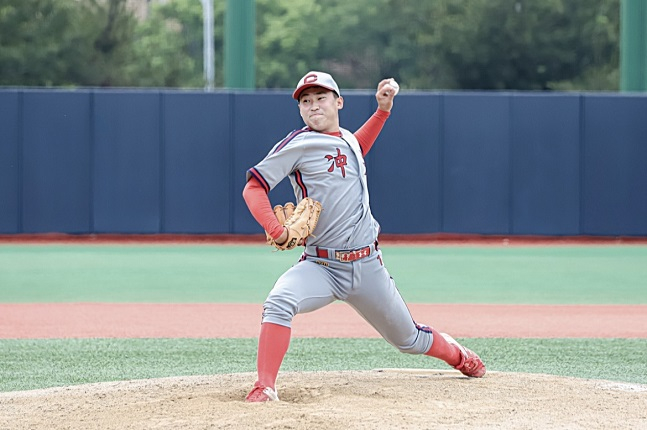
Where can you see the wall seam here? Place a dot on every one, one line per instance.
(441, 162)
(20, 161)
(510, 165)
(162, 162)
(232, 162)
(582, 164)
(91, 164)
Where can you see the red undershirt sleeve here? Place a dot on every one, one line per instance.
(368, 132)
(259, 205)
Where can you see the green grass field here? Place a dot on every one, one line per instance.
(32, 364)
(244, 274)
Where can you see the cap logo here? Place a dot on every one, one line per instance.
(314, 78)
(310, 78)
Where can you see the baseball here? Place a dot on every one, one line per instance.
(395, 86)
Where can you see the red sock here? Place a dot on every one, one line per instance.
(443, 350)
(273, 343)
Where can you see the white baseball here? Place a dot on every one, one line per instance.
(395, 86)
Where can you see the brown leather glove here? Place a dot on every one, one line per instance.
(300, 222)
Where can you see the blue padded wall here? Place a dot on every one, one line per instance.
(476, 158)
(56, 161)
(196, 163)
(127, 183)
(405, 167)
(545, 164)
(615, 165)
(358, 107)
(151, 161)
(10, 184)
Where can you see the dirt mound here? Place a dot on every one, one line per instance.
(387, 398)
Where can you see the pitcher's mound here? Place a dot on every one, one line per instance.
(386, 398)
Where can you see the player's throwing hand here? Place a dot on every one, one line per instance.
(387, 89)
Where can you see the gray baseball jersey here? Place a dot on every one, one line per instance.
(331, 170)
(341, 260)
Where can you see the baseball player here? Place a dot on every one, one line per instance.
(341, 260)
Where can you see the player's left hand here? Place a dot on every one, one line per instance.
(386, 91)
(299, 222)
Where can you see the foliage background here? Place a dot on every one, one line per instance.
(440, 44)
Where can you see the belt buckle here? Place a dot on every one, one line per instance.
(343, 256)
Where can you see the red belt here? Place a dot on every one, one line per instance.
(345, 256)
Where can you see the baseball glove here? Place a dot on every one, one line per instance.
(300, 222)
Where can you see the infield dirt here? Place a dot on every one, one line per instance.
(380, 399)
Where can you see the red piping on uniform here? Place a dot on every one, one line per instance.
(256, 174)
(299, 178)
(289, 138)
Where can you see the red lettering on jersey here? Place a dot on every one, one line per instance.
(338, 161)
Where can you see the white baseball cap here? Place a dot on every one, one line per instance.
(316, 79)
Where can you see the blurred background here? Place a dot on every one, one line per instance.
(439, 44)
(142, 116)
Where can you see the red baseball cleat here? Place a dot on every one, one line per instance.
(471, 364)
(262, 394)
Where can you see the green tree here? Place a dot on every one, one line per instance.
(598, 58)
(162, 59)
(414, 38)
(169, 46)
(526, 45)
(286, 43)
(29, 55)
(344, 37)
(440, 44)
(64, 43)
(110, 28)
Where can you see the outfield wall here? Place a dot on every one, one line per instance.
(137, 161)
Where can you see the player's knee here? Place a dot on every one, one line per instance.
(408, 349)
(417, 343)
(278, 310)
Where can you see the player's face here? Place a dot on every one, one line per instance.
(319, 109)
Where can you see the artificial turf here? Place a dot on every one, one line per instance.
(32, 364)
(245, 274)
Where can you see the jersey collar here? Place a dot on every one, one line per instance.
(332, 133)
